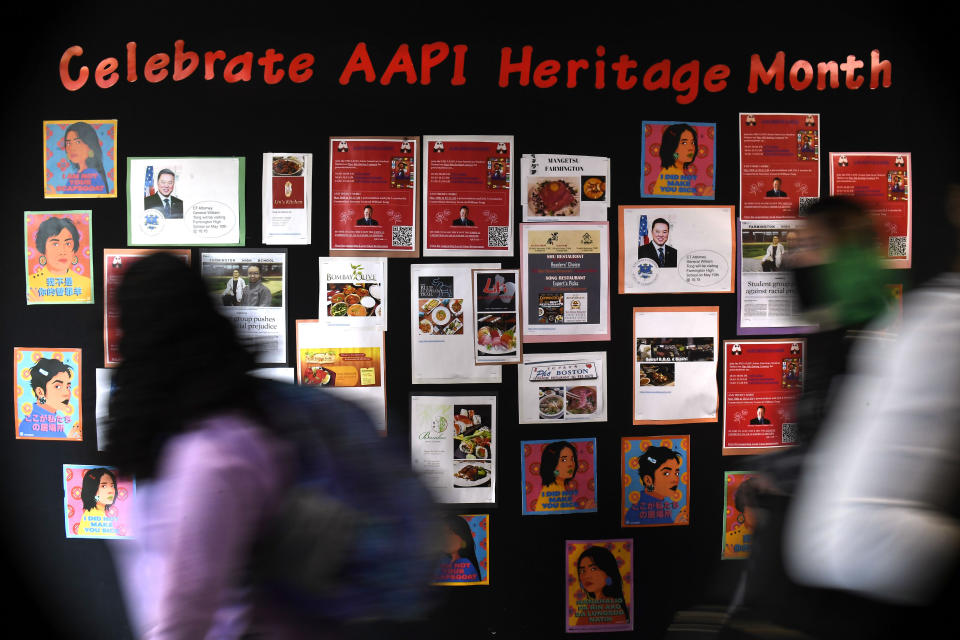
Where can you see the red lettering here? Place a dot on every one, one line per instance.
(179, 57)
(573, 66)
(106, 75)
(687, 78)
(657, 76)
(245, 63)
(131, 62)
(401, 62)
(599, 78)
(825, 70)
(798, 83)
(766, 76)
(715, 79)
(852, 80)
(359, 61)
(876, 67)
(299, 69)
(154, 70)
(522, 67)
(209, 58)
(430, 56)
(545, 73)
(622, 67)
(459, 56)
(71, 84)
(271, 75)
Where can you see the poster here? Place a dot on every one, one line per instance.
(57, 248)
(566, 281)
(498, 338)
(185, 201)
(656, 481)
(47, 393)
(677, 249)
(675, 371)
(97, 502)
(762, 380)
(739, 514)
(468, 201)
(466, 547)
(353, 292)
(561, 186)
(453, 440)
(249, 287)
(559, 476)
(599, 585)
(80, 158)
(679, 159)
(779, 164)
(115, 264)
(562, 387)
(348, 362)
(287, 197)
(442, 325)
(883, 183)
(374, 185)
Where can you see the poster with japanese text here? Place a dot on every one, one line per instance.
(353, 292)
(47, 393)
(467, 196)
(58, 249)
(675, 364)
(80, 158)
(679, 159)
(97, 502)
(739, 514)
(655, 481)
(287, 197)
(562, 186)
(599, 585)
(374, 190)
(559, 476)
(496, 296)
(565, 276)
(762, 381)
(466, 548)
(562, 387)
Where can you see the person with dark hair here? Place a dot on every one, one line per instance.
(739, 538)
(806, 145)
(761, 418)
(58, 239)
(367, 219)
(233, 292)
(678, 152)
(256, 294)
(459, 545)
(98, 493)
(773, 258)
(463, 220)
(558, 465)
(776, 192)
(659, 251)
(600, 579)
(163, 200)
(52, 387)
(659, 470)
(82, 146)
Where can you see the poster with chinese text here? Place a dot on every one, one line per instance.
(739, 514)
(80, 158)
(679, 159)
(559, 476)
(47, 394)
(58, 249)
(287, 197)
(562, 387)
(599, 585)
(466, 548)
(655, 474)
(562, 186)
(97, 502)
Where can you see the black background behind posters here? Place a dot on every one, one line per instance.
(69, 585)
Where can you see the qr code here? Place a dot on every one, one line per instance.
(805, 203)
(788, 432)
(498, 236)
(402, 237)
(897, 247)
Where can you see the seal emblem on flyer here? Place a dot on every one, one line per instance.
(645, 270)
(152, 222)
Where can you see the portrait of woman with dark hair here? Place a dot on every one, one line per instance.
(52, 383)
(82, 146)
(599, 578)
(460, 548)
(739, 538)
(54, 277)
(678, 151)
(558, 465)
(661, 499)
(98, 493)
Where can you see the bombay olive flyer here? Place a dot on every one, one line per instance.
(739, 512)
(287, 197)
(80, 158)
(679, 159)
(58, 252)
(353, 292)
(563, 186)
(97, 502)
(562, 387)
(47, 394)
(559, 476)
(655, 489)
(498, 338)
(599, 585)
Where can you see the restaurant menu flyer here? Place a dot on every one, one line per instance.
(443, 325)
(97, 502)
(348, 362)
(679, 159)
(655, 486)
(779, 164)
(739, 513)
(47, 394)
(496, 295)
(58, 249)
(287, 197)
(80, 158)
(881, 182)
(677, 249)
(454, 447)
(466, 552)
(675, 372)
(559, 476)
(562, 387)
(115, 265)
(468, 202)
(353, 292)
(762, 381)
(374, 186)
(566, 281)
(598, 585)
(566, 187)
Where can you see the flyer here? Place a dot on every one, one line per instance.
(466, 551)
(442, 325)
(468, 206)
(185, 201)
(677, 249)
(762, 380)
(249, 287)
(562, 387)
(498, 338)
(599, 585)
(561, 186)
(739, 514)
(47, 393)
(374, 185)
(565, 278)
(559, 476)
(675, 372)
(80, 158)
(679, 159)
(348, 362)
(58, 249)
(97, 502)
(881, 182)
(453, 440)
(656, 481)
(115, 264)
(287, 197)
(779, 164)
(353, 292)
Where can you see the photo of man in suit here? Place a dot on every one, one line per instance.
(170, 205)
(776, 192)
(367, 219)
(760, 419)
(464, 220)
(658, 250)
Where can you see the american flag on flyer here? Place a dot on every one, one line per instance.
(148, 189)
(643, 239)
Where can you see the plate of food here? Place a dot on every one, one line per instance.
(581, 400)
(456, 306)
(594, 188)
(426, 326)
(472, 474)
(553, 197)
(551, 405)
(494, 341)
(287, 166)
(440, 315)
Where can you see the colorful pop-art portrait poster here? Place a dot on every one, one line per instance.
(57, 250)
(466, 548)
(656, 481)
(79, 159)
(679, 159)
(599, 585)
(739, 505)
(97, 502)
(47, 393)
(559, 476)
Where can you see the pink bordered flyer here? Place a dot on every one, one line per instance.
(599, 589)
(739, 512)
(47, 394)
(559, 476)
(97, 502)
